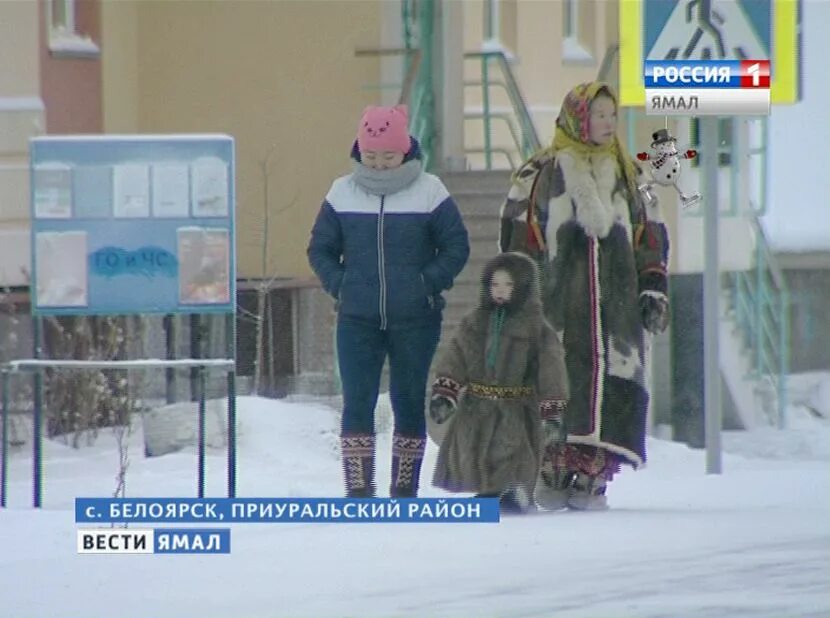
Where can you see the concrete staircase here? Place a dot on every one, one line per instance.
(752, 399)
(479, 195)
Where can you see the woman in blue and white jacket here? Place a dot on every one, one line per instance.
(387, 241)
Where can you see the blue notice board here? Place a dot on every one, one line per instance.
(139, 224)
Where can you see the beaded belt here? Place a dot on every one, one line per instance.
(492, 391)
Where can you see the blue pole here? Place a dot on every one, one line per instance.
(4, 464)
(713, 413)
(201, 470)
(37, 446)
(230, 341)
(232, 433)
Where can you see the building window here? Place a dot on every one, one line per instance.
(724, 140)
(63, 15)
(569, 18)
(64, 37)
(575, 46)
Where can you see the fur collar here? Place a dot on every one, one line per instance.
(590, 183)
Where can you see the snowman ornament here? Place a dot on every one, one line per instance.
(665, 167)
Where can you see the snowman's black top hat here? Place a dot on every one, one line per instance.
(661, 136)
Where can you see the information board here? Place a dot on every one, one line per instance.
(136, 224)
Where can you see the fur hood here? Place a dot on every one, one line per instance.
(526, 296)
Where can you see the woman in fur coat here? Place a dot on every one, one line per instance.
(510, 366)
(576, 208)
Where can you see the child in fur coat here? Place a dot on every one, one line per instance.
(502, 380)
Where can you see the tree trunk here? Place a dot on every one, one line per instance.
(260, 332)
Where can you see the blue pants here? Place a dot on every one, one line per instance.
(362, 349)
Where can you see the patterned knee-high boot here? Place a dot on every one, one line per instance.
(407, 456)
(594, 469)
(359, 465)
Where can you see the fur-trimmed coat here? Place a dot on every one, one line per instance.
(601, 250)
(493, 444)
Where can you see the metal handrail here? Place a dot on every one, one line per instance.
(529, 142)
(769, 256)
(417, 18)
(497, 116)
(761, 299)
(607, 60)
(38, 365)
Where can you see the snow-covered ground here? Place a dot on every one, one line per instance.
(754, 541)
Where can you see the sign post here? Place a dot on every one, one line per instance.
(712, 409)
(709, 58)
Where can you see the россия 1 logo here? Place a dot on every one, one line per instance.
(707, 87)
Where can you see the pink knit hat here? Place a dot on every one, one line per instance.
(384, 128)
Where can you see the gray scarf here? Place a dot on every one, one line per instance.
(386, 182)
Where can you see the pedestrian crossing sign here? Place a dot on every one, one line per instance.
(677, 30)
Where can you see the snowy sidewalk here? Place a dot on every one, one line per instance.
(754, 541)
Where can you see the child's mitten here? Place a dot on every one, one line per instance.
(441, 409)
(444, 398)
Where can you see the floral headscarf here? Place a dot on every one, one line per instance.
(572, 131)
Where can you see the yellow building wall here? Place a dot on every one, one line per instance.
(19, 48)
(281, 77)
(21, 117)
(119, 66)
(21, 109)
